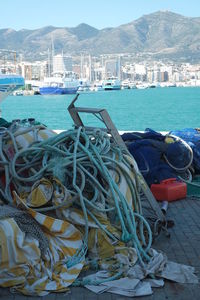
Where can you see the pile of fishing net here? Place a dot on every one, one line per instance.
(159, 156)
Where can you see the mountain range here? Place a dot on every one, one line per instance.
(160, 35)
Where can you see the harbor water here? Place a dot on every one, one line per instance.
(161, 109)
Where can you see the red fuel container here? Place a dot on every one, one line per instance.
(169, 190)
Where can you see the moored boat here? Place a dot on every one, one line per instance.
(142, 86)
(59, 86)
(9, 83)
(97, 87)
(125, 84)
(112, 83)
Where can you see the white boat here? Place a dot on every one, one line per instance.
(84, 85)
(18, 93)
(9, 83)
(128, 84)
(82, 89)
(142, 86)
(132, 85)
(97, 87)
(112, 83)
(125, 84)
(60, 81)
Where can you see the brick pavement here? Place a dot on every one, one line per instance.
(183, 246)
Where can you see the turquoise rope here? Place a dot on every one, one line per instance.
(85, 157)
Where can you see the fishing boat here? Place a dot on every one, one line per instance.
(9, 83)
(112, 83)
(57, 85)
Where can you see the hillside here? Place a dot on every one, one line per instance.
(162, 34)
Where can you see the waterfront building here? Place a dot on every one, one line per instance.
(62, 63)
(76, 68)
(164, 76)
(111, 68)
(169, 69)
(98, 73)
(177, 77)
(95, 69)
(140, 69)
(32, 71)
(150, 75)
(140, 72)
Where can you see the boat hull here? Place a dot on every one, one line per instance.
(111, 88)
(9, 83)
(111, 84)
(57, 91)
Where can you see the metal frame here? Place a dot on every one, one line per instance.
(102, 115)
(112, 130)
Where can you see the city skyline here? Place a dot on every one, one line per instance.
(99, 14)
(92, 70)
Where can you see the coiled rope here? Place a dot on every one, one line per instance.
(83, 161)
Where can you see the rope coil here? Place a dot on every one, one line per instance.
(84, 162)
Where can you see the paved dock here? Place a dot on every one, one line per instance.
(183, 246)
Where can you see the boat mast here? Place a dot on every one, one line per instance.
(90, 68)
(49, 63)
(119, 68)
(81, 65)
(63, 65)
(52, 54)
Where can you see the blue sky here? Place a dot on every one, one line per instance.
(32, 14)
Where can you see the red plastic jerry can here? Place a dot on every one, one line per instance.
(169, 190)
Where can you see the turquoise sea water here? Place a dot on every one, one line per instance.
(161, 109)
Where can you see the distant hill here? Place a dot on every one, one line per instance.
(162, 34)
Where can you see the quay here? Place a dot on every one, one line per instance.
(183, 246)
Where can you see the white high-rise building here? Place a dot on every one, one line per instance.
(62, 63)
(140, 69)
